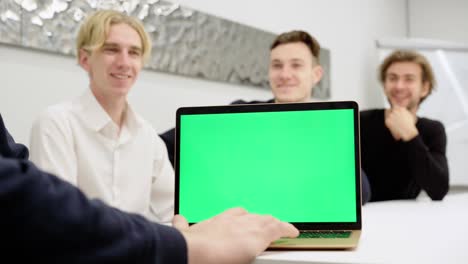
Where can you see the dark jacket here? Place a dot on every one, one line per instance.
(46, 220)
(8, 147)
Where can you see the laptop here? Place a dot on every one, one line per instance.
(299, 162)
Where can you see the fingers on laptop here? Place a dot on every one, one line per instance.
(234, 236)
(272, 228)
(269, 227)
(240, 224)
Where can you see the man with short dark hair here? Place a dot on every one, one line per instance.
(402, 153)
(294, 70)
(294, 67)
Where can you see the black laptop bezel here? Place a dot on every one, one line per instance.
(274, 107)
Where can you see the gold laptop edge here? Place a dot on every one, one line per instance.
(318, 243)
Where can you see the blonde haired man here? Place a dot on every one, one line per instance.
(402, 153)
(97, 141)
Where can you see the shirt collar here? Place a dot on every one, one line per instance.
(132, 120)
(96, 118)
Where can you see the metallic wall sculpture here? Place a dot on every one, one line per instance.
(185, 41)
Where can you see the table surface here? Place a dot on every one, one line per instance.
(406, 231)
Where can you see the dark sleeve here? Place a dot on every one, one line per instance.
(252, 102)
(366, 190)
(429, 162)
(169, 139)
(8, 147)
(48, 220)
(240, 101)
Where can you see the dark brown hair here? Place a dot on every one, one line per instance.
(298, 36)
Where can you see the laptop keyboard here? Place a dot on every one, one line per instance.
(325, 234)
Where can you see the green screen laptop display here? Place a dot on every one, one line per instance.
(298, 166)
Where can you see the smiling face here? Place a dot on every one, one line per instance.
(114, 67)
(293, 72)
(404, 85)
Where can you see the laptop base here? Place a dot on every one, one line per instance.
(317, 243)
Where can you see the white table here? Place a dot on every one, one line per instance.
(419, 231)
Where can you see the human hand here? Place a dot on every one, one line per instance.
(234, 236)
(401, 123)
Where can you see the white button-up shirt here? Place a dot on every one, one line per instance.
(79, 142)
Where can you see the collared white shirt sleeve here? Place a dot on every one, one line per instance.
(163, 185)
(51, 146)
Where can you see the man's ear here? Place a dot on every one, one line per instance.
(83, 59)
(425, 89)
(317, 72)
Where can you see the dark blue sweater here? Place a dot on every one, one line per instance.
(47, 220)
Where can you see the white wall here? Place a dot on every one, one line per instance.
(32, 80)
(435, 19)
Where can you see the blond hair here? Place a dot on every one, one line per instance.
(93, 32)
(409, 56)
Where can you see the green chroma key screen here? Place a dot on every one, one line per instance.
(298, 166)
